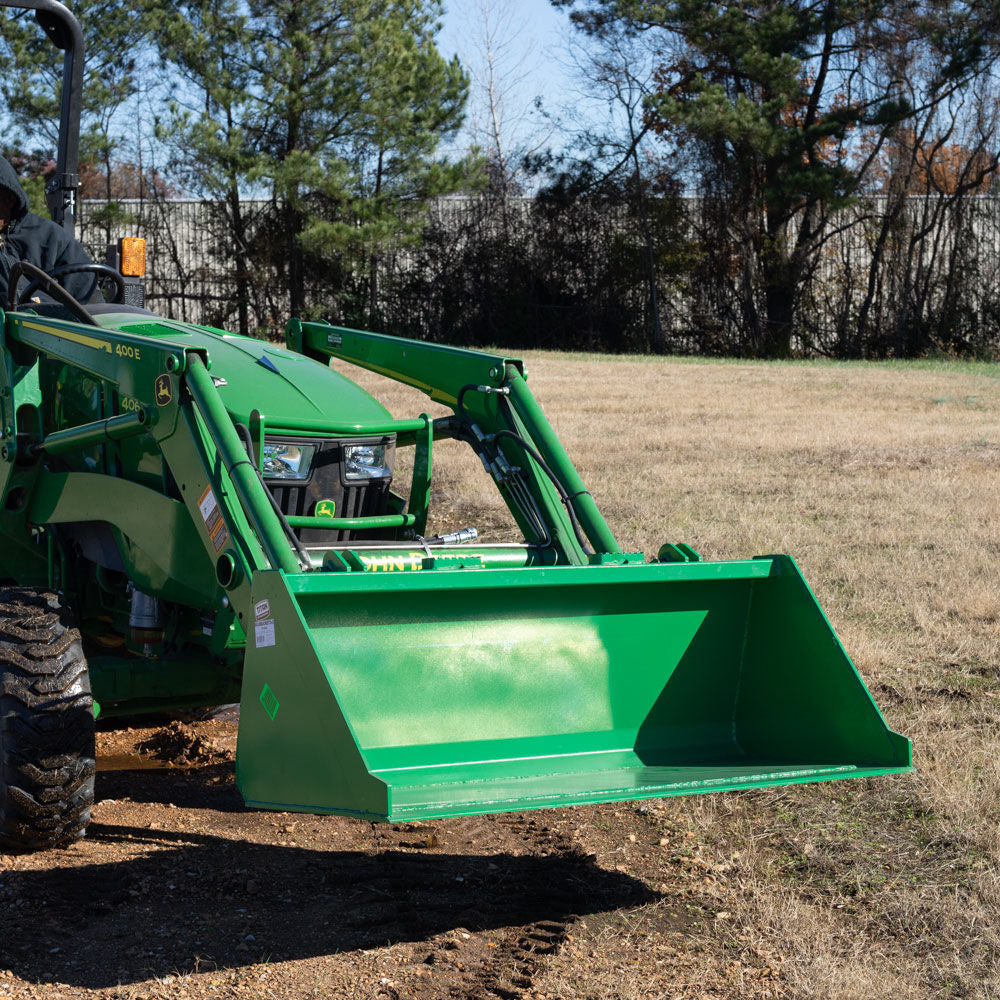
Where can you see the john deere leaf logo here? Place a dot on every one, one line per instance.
(164, 393)
(326, 508)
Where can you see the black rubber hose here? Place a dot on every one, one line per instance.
(567, 500)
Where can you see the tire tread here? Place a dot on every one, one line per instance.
(47, 761)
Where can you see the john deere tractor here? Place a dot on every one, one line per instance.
(190, 518)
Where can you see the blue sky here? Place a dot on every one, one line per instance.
(544, 28)
(535, 56)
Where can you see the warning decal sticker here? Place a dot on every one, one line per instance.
(212, 516)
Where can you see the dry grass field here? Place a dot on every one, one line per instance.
(882, 481)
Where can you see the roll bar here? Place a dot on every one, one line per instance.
(65, 33)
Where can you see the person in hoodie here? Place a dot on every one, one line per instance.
(26, 236)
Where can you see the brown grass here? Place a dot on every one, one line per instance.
(882, 482)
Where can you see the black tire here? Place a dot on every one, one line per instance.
(46, 724)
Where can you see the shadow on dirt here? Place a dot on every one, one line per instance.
(197, 902)
(210, 787)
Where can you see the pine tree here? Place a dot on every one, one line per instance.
(351, 99)
(778, 98)
(204, 43)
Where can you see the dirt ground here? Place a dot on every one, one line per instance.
(179, 891)
(881, 480)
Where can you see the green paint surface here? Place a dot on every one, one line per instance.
(415, 695)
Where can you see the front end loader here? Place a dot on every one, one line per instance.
(217, 517)
(190, 518)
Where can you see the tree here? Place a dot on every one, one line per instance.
(504, 120)
(212, 154)
(615, 156)
(349, 100)
(771, 99)
(925, 225)
(115, 34)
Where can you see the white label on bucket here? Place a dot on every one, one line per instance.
(262, 609)
(264, 633)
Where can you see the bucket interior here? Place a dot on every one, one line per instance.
(560, 686)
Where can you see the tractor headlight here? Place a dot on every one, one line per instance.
(287, 461)
(365, 461)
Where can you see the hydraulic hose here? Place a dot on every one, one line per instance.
(519, 493)
(564, 496)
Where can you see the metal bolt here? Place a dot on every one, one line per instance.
(225, 602)
(494, 372)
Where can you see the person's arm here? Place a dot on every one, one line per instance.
(82, 286)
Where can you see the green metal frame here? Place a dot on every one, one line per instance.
(442, 372)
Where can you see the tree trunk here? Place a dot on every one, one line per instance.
(779, 304)
(240, 255)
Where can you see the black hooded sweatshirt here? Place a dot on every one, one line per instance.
(40, 242)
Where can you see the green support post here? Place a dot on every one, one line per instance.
(248, 487)
(420, 490)
(540, 430)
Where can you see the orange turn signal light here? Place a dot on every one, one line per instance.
(132, 252)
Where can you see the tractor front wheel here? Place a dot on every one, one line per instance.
(46, 724)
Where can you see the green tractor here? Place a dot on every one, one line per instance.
(192, 518)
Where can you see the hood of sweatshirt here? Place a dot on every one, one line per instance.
(9, 182)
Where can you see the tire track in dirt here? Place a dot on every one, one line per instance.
(475, 960)
(520, 952)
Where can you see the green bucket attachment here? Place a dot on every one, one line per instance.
(404, 696)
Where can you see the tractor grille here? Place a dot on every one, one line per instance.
(357, 498)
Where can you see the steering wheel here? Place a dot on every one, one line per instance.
(39, 279)
(102, 270)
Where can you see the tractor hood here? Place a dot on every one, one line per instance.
(257, 375)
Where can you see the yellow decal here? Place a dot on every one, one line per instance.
(326, 508)
(163, 389)
(393, 564)
(77, 338)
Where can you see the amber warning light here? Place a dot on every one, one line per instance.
(132, 253)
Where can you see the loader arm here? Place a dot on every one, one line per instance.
(170, 396)
(499, 416)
